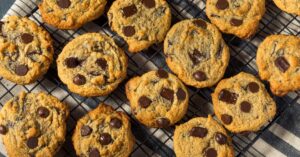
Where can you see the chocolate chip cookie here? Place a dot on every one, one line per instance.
(290, 6)
(33, 124)
(278, 61)
(196, 52)
(103, 132)
(26, 50)
(202, 137)
(92, 65)
(237, 17)
(140, 22)
(157, 98)
(70, 14)
(242, 103)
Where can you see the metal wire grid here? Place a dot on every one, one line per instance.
(157, 142)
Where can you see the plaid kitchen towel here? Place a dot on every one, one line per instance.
(281, 137)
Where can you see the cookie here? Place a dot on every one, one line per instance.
(278, 61)
(240, 18)
(242, 103)
(70, 14)
(290, 6)
(92, 65)
(26, 50)
(140, 23)
(202, 137)
(103, 132)
(33, 124)
(157, 98)
(196, 52)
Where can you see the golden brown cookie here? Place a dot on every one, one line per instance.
(290, 6)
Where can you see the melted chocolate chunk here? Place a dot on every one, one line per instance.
(222, 4)
(163, 122)
(26, 38)
(167, 94)
(149, 3)
(227, 119)
(196, 57)
(211, 152)
(162, 74)
(3, 130)
(86, 130)
(181, 95)
(105, 139)
(236, 22)
(21, 70)
(32, 142)
(200, 76)
(49, 49)
(79, 80)
(129, 10)
(253, 87)
(221, 138)
(282, 64)
(115, 123)
(228, 97)
(128, 31)
(245, 106)
(72, 62)
(102, 63)
(144, 101)
(94, 153)
(198, 132)
(43, 112)
(1, 24)
(64, 3)
(200, 23)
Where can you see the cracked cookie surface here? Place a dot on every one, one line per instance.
(157, 98)
(103, 132)
(33, 124)
(202, 137)
(92, 65)
(140, 23)
(242, 103)
(290, 6)
(70, 14)
(238, 17)
(196, 52)
(278, 61)
(26, 50)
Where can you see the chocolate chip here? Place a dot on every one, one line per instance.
(1, 24)
(149, 3)
(79, 80)
(245, 106)
(282, 64)
(105, 139)
(227, 119)
(198, 132)
(181, 95)
(49, 49)
(163, 122)
(129, 10)
(167, 94)
(221, 138)
(86, 130)
(199, 76)
(26, 38)
(115, 123)
(144, 101)
(128, 31)
(253, 87)
(228, 97)
(72, 62)
(33, 52)
(162, 74)
(200, 23)
(32, 142)
(101, 63)
(196, 57)
(43, 112)
(222, 4)
(21, 70)
(236, 22)
(64, 3)
(3, 130)
(211, 152)
(94, 153)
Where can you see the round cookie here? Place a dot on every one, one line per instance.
(33, 124)
(278, 61)
(157, 98)
(92, 65)
(140, 23)
(103, 132)
(242, 103)
(26, 50)
(70, 14)
(196, 52)
(202, 137)
(290, 6)
(240, 18)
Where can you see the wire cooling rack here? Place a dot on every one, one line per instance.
(150, 141)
